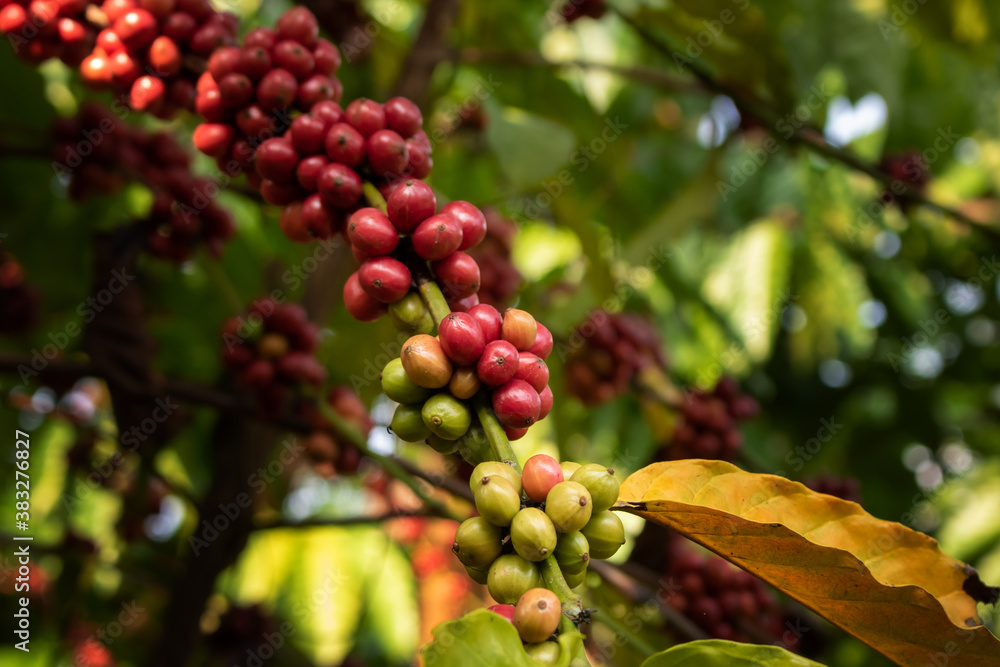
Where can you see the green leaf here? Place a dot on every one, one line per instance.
(484, 639)
(529, 147)
(720, 653)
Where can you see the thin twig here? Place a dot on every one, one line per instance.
(343, 521)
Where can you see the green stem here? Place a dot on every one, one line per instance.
(572, 606)
(432, 296)
(502, 451)
(347, 430)
(374, 197)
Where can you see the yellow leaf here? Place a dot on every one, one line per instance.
(886, 584)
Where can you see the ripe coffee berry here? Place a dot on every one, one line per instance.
(498, 363)
(410, 204)
(367, 116)
(537, 615)
(489, 320)
(532, 370)
(505, 610)
(516, 404)
(545, 398)
(385, 279)
(370, 231)
(437, 237)
(471, 220)
(542, 347)
(540, 473)
(345, 145)
(403, 116)
(458, 275)
(569, 506)
(340, 185)
(387, 154)
(462, 339)
(425, 362)
(358, 303)
(519, 328)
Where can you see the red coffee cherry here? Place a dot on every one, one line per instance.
(345, 144)
(255, 62)
(294, 57)
(298, 24)
(277, 160)
(370, 231)
(213, 139)
(462, 339)
(386, 279)
(319, 216)
(366, 116)
(516, 404)
(340, 185)
(532, 370)
(307, 173)
(327, 57)
(545, 396)
(410, 204)
(505, 610)
(308, 133)
(542, 347)
(358, 303)
(514, 433)
(497, 364)
(277, 89)
(437, 237)
(319, 88)
(136, 28)
(387, 153)
(403, 116)
(541, 472)
(458, 275)
(471, 219)
(489, 320)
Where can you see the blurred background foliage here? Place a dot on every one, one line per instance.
(651, 192)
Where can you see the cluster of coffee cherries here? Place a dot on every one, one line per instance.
(330, 454)
(550, 509)
(500, 280)
(18, 300)
(96, 152)
(272, 350)
(845, 488)
(614, 348)
(151, 51)
(434, 377)
(411, 234)
(536, 617)
(709, 425)
(722, 599)
(43, 29)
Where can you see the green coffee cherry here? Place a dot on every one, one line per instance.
(398, 386)
(569, 468)
(569, 506)
(574, 580)
(478, 576)
(546, 653)
(477, 543)
(473, 446)
(440, 445)
(497, 501)
(491, 468)
(410, 316)
(446, 416)
(532, 534)
(605, 534)
(572, 552)
(510, 577)
(601, 484)
(408, 424)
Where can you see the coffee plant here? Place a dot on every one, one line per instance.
(280, 387)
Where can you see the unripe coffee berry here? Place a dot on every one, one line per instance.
(569, 506)
(446, 416)
(516, 404)
(601, 483)
(489, 320)
(575, 579)
(510, 577)
(478, 576)
(477, 543)
(498, 363)
(408, 424)
(462, 339)
(488, 469)
(532, 370)
(532, 534)
(398, 386)
(537, 615)
(505, 610)
(568, 468)
(605, 534)
(540, 473)
(410, 315)
(519, 328)
(497, 501)
(272, 346)
(425, 362)
(464, 383)
(546, 653)
(573, 552)
(440, 445)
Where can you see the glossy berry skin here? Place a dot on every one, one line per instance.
(519, 328)
(308, 134)
(366, 116)
(497, 501)
(462, 339)
(277, 160)
(510, 577)
(477, 543)
(488, 469)
(532, 534)
(498, 363)
(446, 416)
(471, 219)
(344, 144)
(408, 424)
(213, 139)
(387, 154)
(600, 481)
(358, 303)
(409, 315)
(464, 383)
(370, 231)
(458, 275)
(505, 610)
(540, 473)
(573, 552)
(532, 370)
(605, 534)
(398, 386)
(319, 216)
(489, 320)
(437, 237)
(516, 404)
(410, 204)
(307, 173)
(340, 185)
(545, 398)
(537, 615)
(298, 24)
(542, 347)
(277, 89)
(403, 116)
(569, 506)
(386, 279)
(425, 362)
(546, 653)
